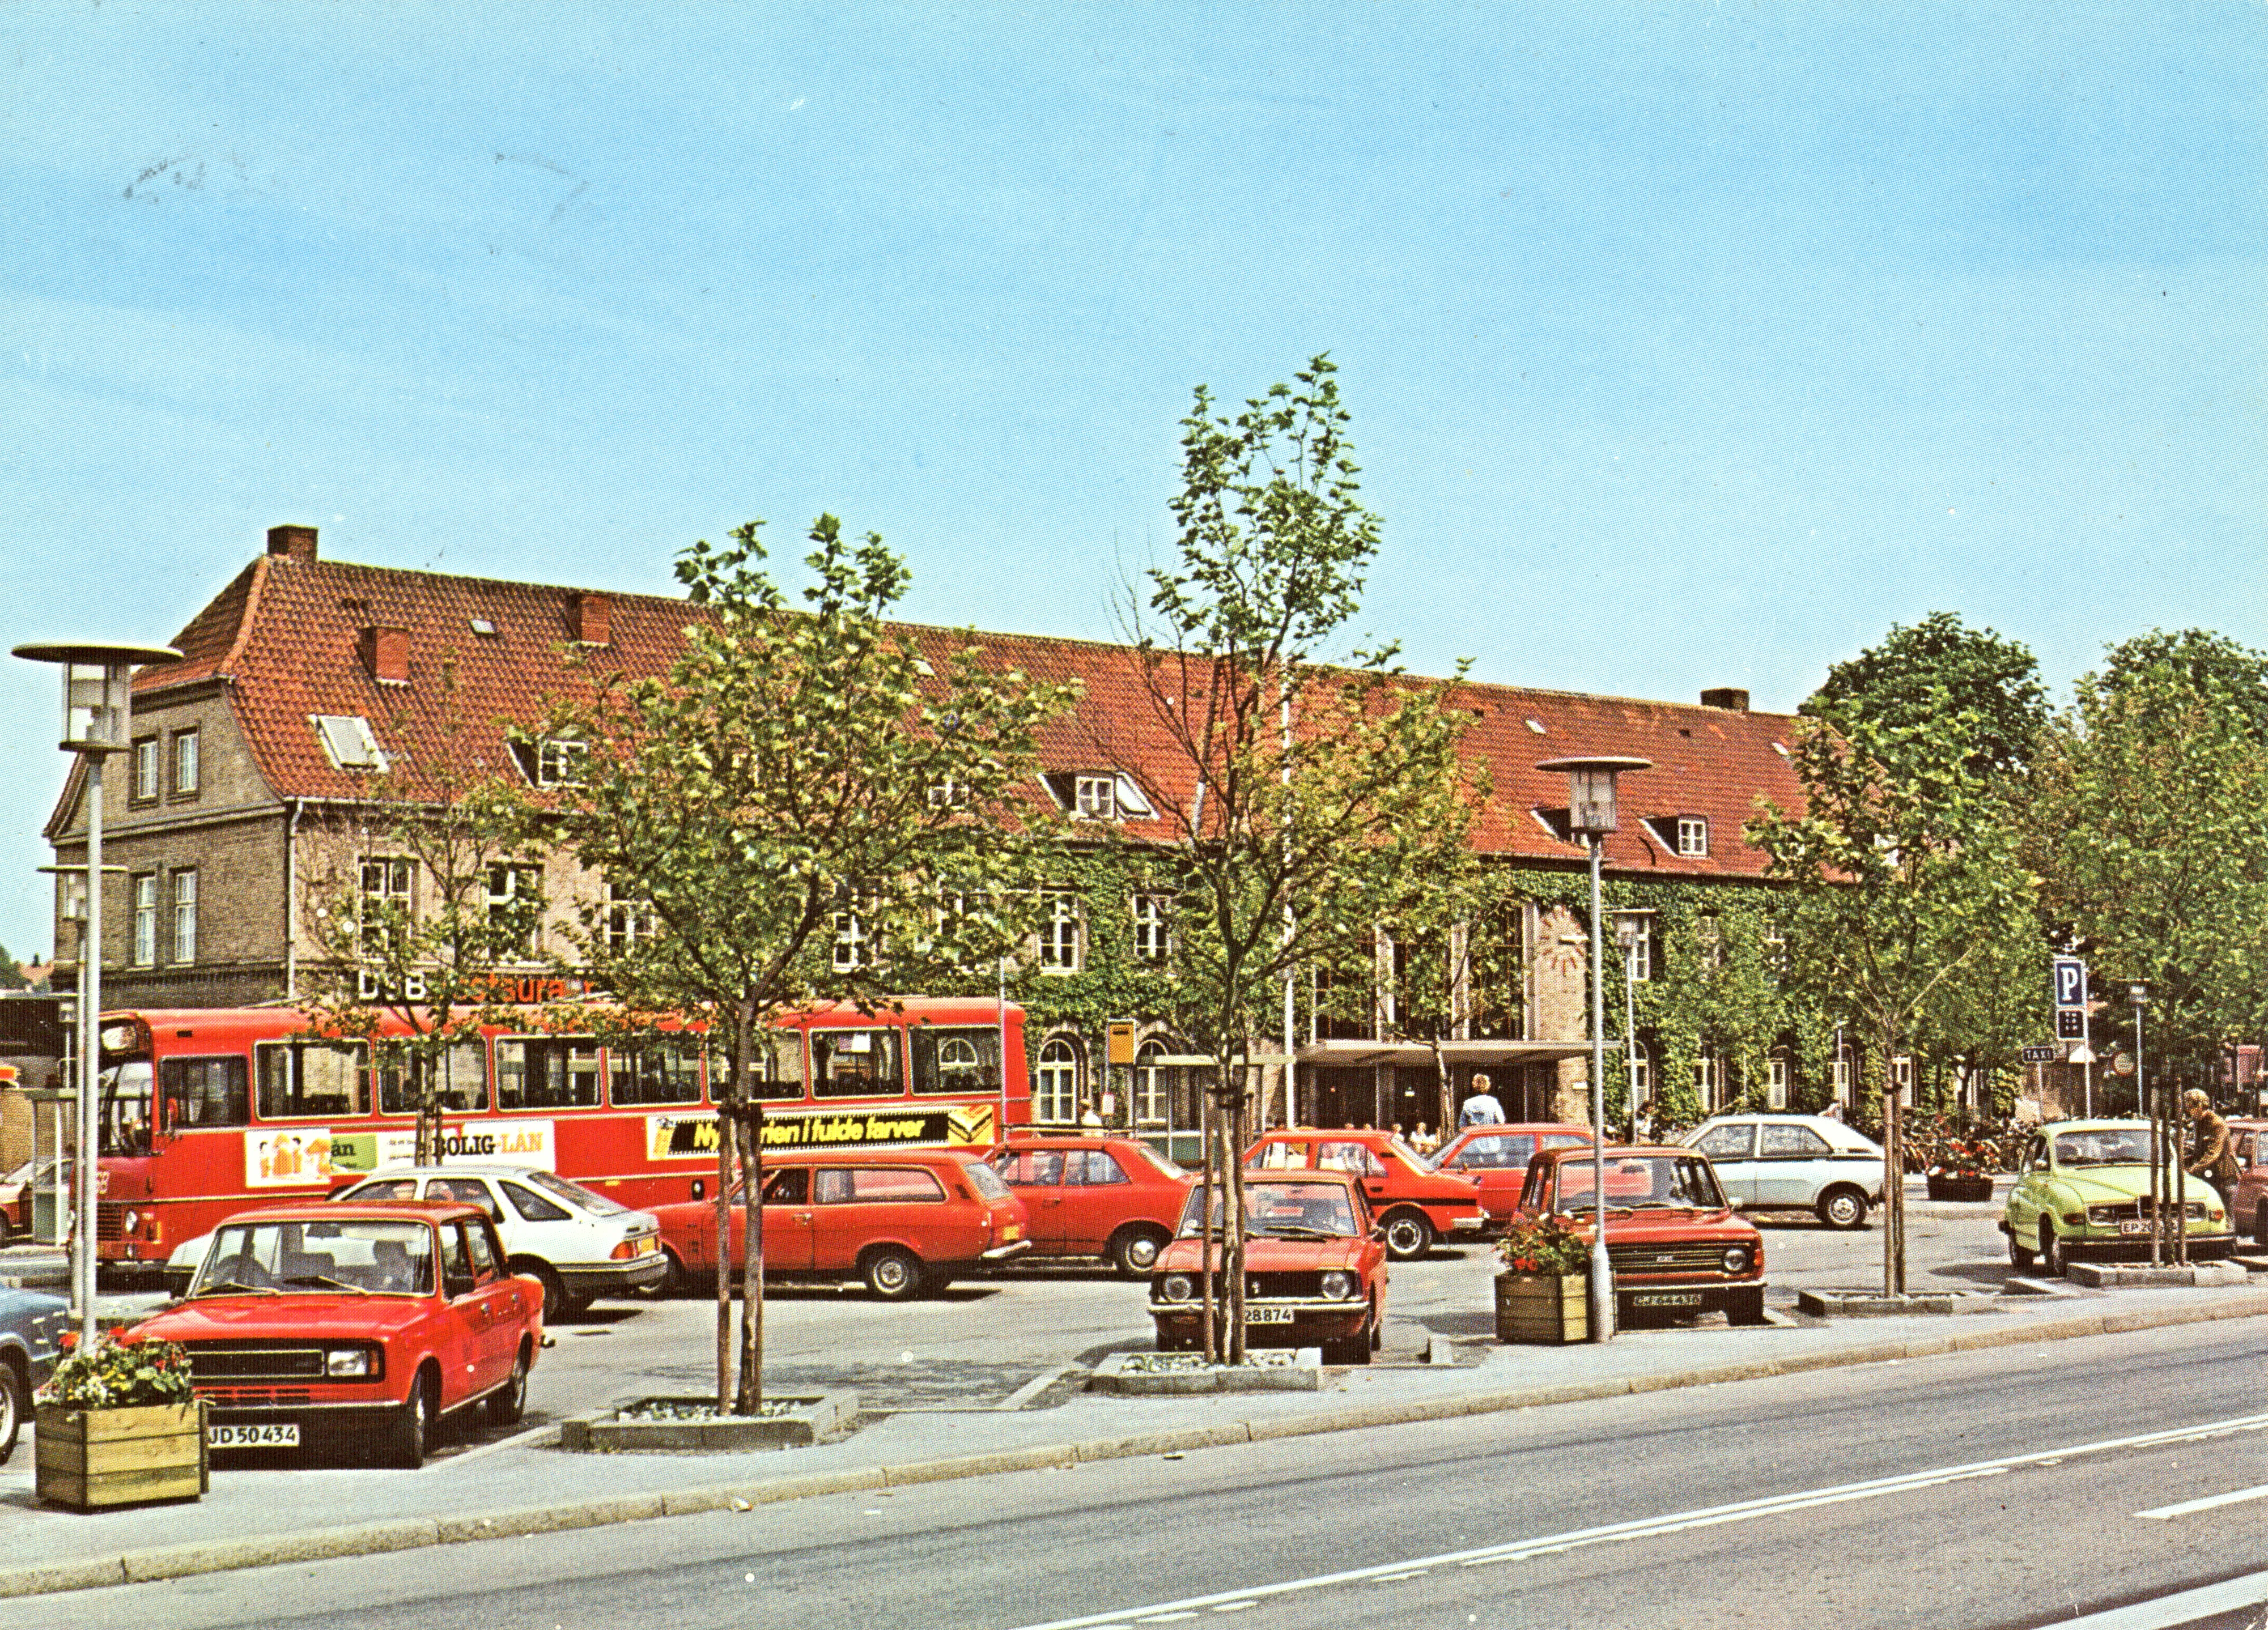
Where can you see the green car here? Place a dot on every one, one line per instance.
(2083, 1189)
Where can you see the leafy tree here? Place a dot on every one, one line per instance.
(2148, 829)
(11, 976)
(807, 807)
(1309, 804)
(1905, 891)
(1900, 681)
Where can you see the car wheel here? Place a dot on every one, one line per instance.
(2054, 1256)
(554, 1294)
(1136, 1249)
(409, 1435)
(1747, 1307)
(2020, 1256)
(510, 1403)
(893, 1274)
(1409, 1236)
(1843, 1207)
(12, 1407)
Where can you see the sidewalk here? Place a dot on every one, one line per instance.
(525, 1483)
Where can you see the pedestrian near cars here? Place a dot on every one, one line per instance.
(2210, 1157)
(1481, 1107)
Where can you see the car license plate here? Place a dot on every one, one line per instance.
(275, 1434)
(1268, 1316)
(2133, 1225)
(1666, 1298)
(645, 1247)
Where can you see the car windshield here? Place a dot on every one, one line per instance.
(574, 1193)
(1281, 1210)
(1164, 1166)
(985, 1181)
(1640, 1182)
(299, 1257)
(2104, 1146)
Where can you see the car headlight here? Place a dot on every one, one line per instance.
(350, 1363)
(1736, 1260)
(133, 1221)
(1340, 1286)
(1177, 1288)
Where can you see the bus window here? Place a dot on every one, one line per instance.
(855, 1063)
(205, 1093)
(777, 1068)
(546, 1072)
(464, 1088)
(124, 1128)
(309, 1078)
(960, 1060)
(654, 1072)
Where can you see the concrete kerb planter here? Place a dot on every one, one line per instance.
(1178, 1375)
(1872, 1304)
(790, 1423)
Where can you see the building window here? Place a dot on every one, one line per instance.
(852, 951)
(145, 769)
(1776, 1081)
(385, 904)
(559, 761)
(188, 769)
(1710, 933)
(1153, 1088)
(185, 917)
(1710, 1087)
(515, 904)
(145, 920)
(1634, 931)
(1060, 934)
(1775, 939)
(1641, 1073)
(1098, 797)
(628, 921)
(348, 742)
(1692, 835)
(949, 795)
(1055, 1087)
(1150, 927)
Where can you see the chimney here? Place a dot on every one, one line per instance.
(590, 619)
(1725, 697)
(295, 543)
(385, 652)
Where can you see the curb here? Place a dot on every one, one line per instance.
(413, 1533)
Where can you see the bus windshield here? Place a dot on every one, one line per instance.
(124, 1090)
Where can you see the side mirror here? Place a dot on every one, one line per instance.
(1378, 1233)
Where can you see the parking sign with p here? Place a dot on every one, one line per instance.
(2070, 982)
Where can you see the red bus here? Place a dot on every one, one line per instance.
(206, 1110)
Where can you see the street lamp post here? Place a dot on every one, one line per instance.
(2137, 992)
(1591, 812)
(97, 710)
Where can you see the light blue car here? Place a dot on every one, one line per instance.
(32, 1324)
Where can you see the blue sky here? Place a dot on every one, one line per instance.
(1687, 344)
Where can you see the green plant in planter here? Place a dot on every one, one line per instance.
(120, 1375)
(1546, 1244)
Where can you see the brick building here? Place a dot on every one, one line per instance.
(248, 801)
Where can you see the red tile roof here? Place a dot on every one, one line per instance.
(284, 638)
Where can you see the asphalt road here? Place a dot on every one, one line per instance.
(2017, 1487)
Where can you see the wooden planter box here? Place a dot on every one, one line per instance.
(1549, 1308)
(90, 1459)
(1960, 1188)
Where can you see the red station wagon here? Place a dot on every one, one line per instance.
(1676, 1246)
(1315, 1272)
(904, 1221)
(1496, 1158)
(372, 1317)
(1096, 1196)
(1415, 1204)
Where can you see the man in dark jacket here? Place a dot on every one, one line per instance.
(2210, 1157)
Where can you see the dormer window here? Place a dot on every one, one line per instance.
(1693, 835)
(1098, 797)
(1099, 794)
(559, 761)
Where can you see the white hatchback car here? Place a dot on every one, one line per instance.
(577, 1241)
(1793, 1162)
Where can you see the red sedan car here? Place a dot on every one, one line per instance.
(1089, 1195)
(1676, 1246)
(382, 1317)
(1496, 1158)
(904, 1220)
(1314, 1271)
(1414, 1203)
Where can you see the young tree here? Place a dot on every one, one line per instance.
(1309, 804)
(811, 805)
(1904, 887)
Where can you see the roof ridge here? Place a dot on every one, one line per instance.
(244, 627)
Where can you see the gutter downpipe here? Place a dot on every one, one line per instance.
(291, 901)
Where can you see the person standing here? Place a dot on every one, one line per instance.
(1481, 1107)
(2210, 1157)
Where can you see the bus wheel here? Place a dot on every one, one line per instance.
(892, 1273)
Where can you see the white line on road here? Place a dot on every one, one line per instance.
(2168, 1610)
(1742, 1512)
(2210, 1502)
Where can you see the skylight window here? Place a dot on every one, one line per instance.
(348, 742)
(482, 627)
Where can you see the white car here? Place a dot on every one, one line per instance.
(1793, 1162)
(577, 1242)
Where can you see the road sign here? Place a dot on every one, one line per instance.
(2122, 1063)
(2070, 982)
(2071, 1024)
(2040, 1055)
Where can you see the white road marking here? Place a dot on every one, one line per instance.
(1741, 1511)
(2210, 1503)
(2168, 1610)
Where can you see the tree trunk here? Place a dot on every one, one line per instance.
(1207, 1197)
(1233, 1236)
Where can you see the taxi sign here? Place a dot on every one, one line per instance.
(2039, 1055)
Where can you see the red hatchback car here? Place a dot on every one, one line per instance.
(1676, 1246)
(373, 1316)
(1415, 1204)
(1315, 1272)
(1096, 1196)
(1496, 1158)
(904, 1220)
